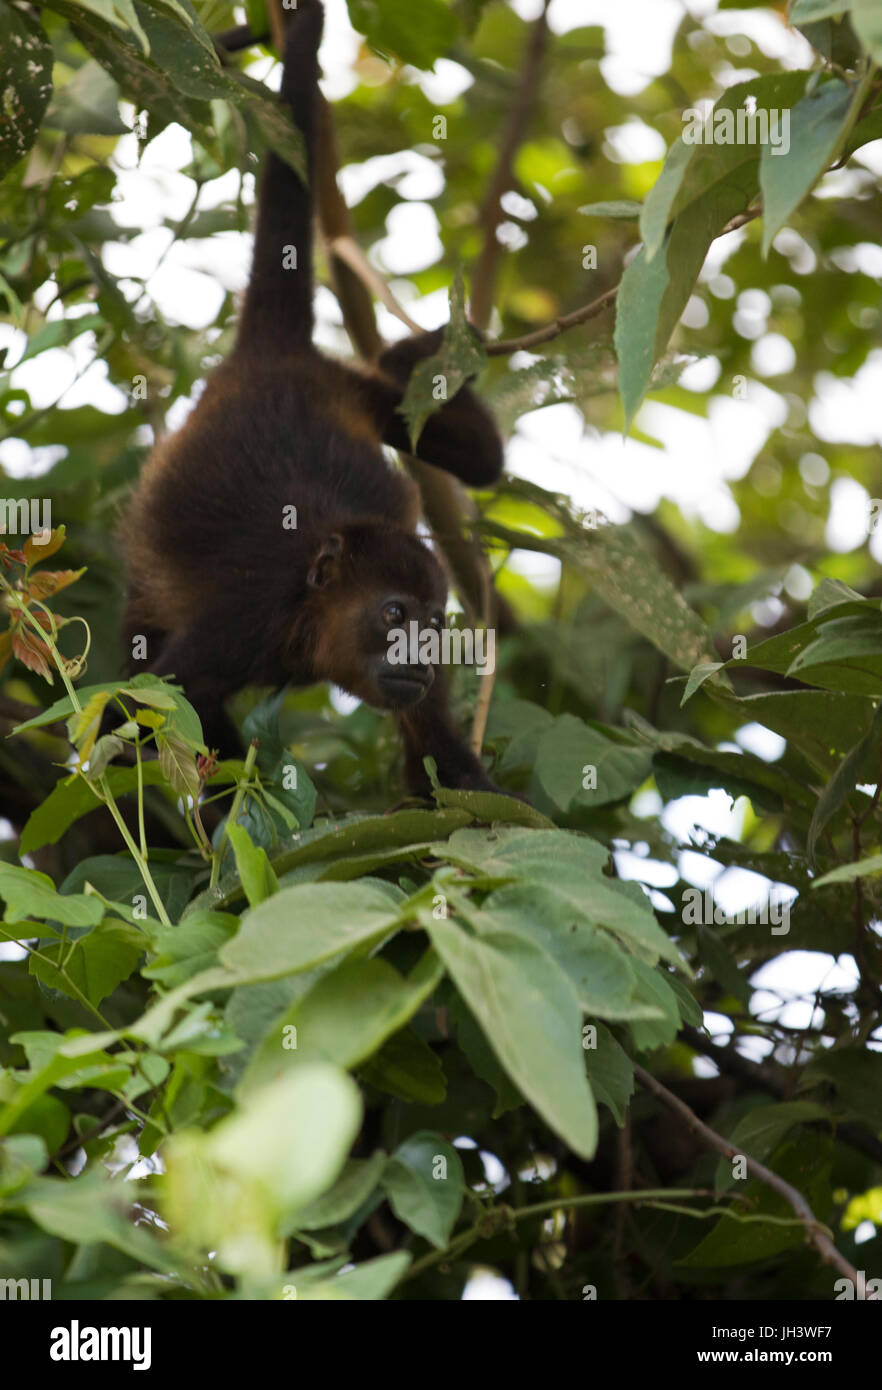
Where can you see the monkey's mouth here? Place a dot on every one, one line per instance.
(403, 686)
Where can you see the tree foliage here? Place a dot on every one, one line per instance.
(259, 1033)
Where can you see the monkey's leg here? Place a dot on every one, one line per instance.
(428, 731)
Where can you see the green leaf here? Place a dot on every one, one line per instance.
(653, 989)
(715, 955)
(352, 1189)
(867, 21)
(623, 572)
(28, 893)
(857, 1077)
(87, 105)
(27, 83)
(820, 723)
(818, 124)
(367, 1282)
(22, 1157)
(762, 1129)
(73, 798)
(491, 807)
(234, 1189)
(598, 968)
(482, 1058)
(96, 964)
(425, 1185)
(355, 838)
(514, 853)
(255, 870)
(697, 677)
(192, 946)
(119, 14)
(828, 594)
(94, 1210)
(437, 379)
(529, 1014)
(416, 36)
(717, 183)
(301, 926)
(570, 748)
(655, 214)
(344, 1018)
(407, 1068)
(610, 1073)
(847, 873)
(808, 11)
(860, 763)
(805, 1163)
(50, 1066)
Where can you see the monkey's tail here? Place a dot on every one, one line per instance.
(277, 310)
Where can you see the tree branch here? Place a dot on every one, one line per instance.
(775, 1083)
(492, 214)
(553, 329)
(815, 1231)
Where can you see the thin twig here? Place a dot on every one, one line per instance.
(815, 1231)
(553, 329)
(591, 311)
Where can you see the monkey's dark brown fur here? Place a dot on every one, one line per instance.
(224, 592)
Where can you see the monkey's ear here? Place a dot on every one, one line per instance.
(325, 566)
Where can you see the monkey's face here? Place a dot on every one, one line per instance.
(401, 641)
(378, 620)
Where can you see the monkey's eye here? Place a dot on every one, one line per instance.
(393, 615)
(437, 622)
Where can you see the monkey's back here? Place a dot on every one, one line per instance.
(273, 455)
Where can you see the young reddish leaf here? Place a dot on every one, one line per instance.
(33, 653)
(48, 582)
(5, 648)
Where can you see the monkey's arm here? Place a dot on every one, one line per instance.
(428, 731)
(461, 437)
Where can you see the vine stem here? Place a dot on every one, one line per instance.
(505, 1215)
(250, 760)
(101, 784)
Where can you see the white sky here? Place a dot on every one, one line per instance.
(698, 458)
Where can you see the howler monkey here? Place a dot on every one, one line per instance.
(224, 592)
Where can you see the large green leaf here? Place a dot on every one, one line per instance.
(346, 1017)
(235, 1188)
(528, 1011)
(27, 82)
(28, 893)
(425, 1185)
(300, 927)
(819, 123)
(416, 36)
(709, 189)
(95, 964)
